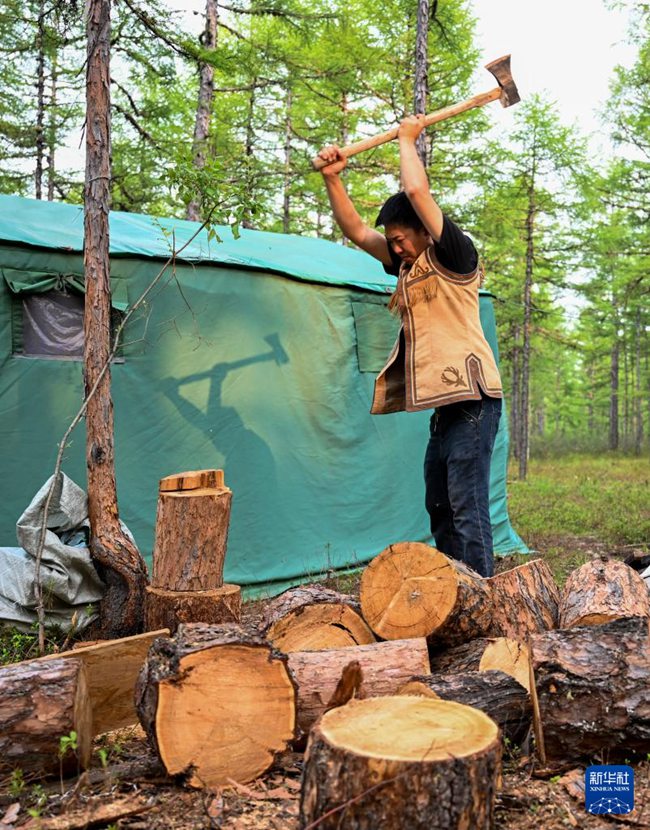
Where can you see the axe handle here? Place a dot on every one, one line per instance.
(433, 118)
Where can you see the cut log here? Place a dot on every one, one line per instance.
(41, 703)
(216, 703)
(384, 667)
(171, 608)
(485, 654)
(413, 590)
(601, 591)
(525, 601)
(407, 762)
(496, 693)
(191, 534)
(593, 690)
(311, 617)
(111, 668)
(193, 480)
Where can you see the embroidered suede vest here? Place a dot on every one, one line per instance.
(441, 355)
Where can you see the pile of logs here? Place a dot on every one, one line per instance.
(401, 698)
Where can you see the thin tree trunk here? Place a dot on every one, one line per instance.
(51, 132)
(286, 198)
(40, 101)
(525, 354)
(614, 384)
(638, 432)
(516, 390)
(590, 399)
(626, 396)
(421, 80)
(116, 557)
(345, 138)
(206, 98)
(250, 139)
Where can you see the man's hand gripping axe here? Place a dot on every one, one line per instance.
(506, 92)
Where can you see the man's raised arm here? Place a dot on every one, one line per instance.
(344, 211)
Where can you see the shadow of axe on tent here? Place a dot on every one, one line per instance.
(506, 92)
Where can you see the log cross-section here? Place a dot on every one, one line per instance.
(216, 703)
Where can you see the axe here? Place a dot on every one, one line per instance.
(506, 92)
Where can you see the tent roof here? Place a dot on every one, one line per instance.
(60, 226)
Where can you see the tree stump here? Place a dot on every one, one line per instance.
(414, 590)
(525, 601)
(496, 693)
(40, 703)
(168, 609)
(601, 591)
(408, 762)
(311, 617)
(191, 532)
(216, 703)
(593, 690)
(383, 669)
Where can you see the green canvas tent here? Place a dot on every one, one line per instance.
(256, 355)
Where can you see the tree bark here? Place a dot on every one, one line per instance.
(216, 703)
(515, 404)
(525, 352)
(286, 194)
(382, 669)
(421, 78)
(485, 654)
(40, 703)
(403, 762)
(593, 691)
(117, 559)
(311, 617)
(601, 591)
(525, 601)
(496, 693)
(614, 384)
(205, 103)
(40, 100)
(168, 609)
(638, 411)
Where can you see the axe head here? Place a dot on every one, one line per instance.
(500, 68)
(279, 354)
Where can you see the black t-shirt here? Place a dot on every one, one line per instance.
(455, 251)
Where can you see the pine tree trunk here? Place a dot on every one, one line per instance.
(638, 412)
(515, 405)
(421, 80)
(51, 131)
(206, 98)
(525, 356)
(117, 559)
(345, 138)
(286, 197)
(40, 101)
(614, 385)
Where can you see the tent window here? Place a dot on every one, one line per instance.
(376, 330)
(52, 325)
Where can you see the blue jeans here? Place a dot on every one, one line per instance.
(457, 480)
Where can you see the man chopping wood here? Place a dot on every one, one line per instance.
(441, 359)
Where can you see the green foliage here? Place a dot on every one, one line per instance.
(68, 743)
(17, 644)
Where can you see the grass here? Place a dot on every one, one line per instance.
(574, 507)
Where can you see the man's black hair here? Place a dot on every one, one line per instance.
(397, 210)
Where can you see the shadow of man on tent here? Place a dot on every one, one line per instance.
(248, 462)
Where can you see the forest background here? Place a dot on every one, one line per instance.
(233, 118)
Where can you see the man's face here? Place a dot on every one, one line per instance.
(407, 243)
